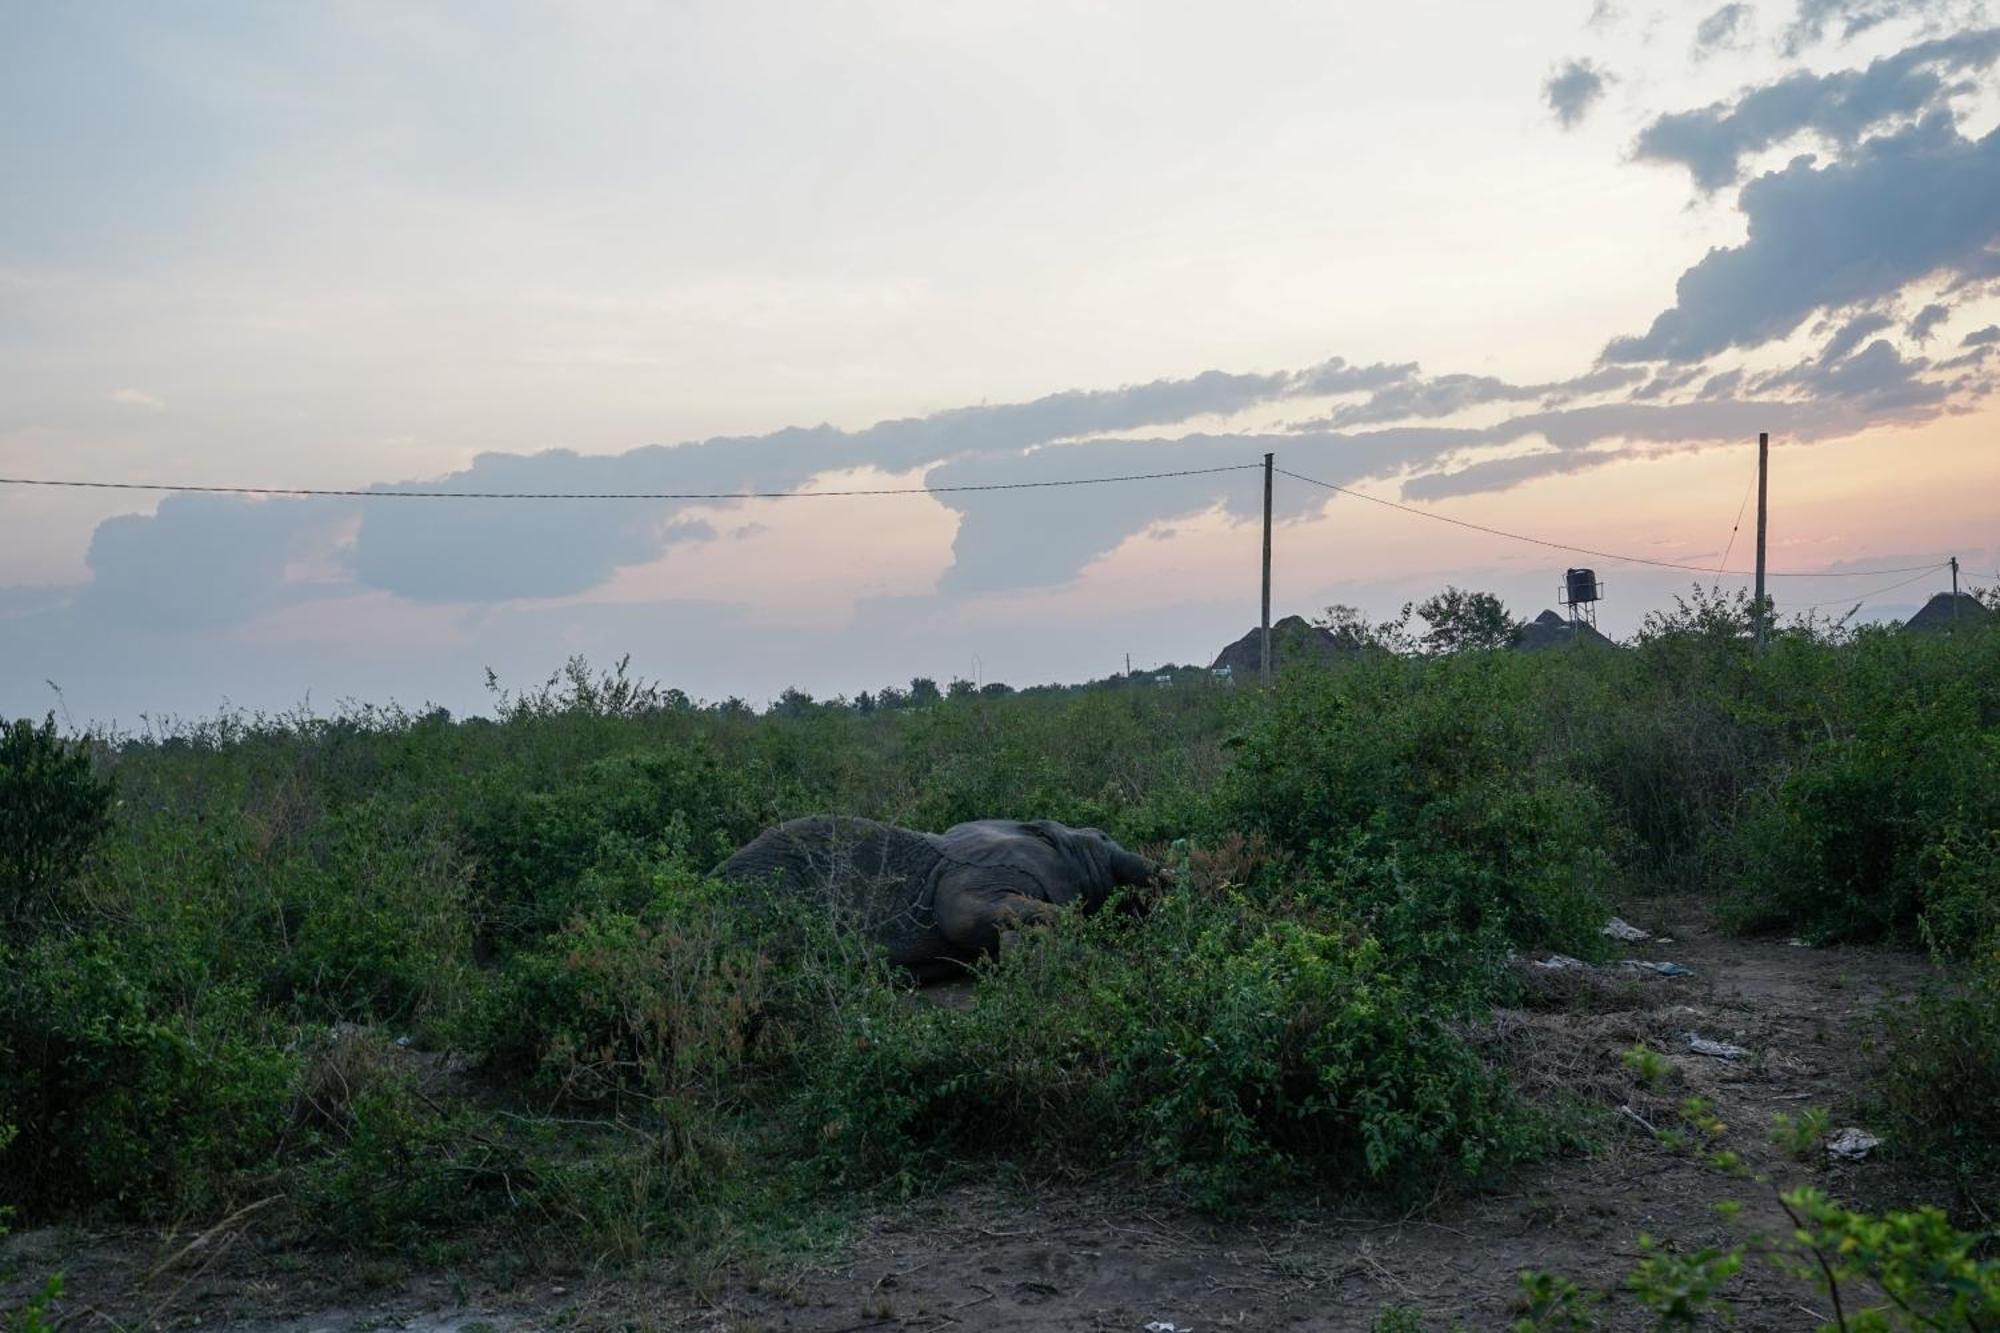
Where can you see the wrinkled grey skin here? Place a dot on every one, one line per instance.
(937, 901)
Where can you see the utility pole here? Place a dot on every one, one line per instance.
(1267, 570)
(1763, 514)
(1954, 590)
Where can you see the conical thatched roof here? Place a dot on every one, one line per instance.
(1941, 616)
(1549, 630)
(1293, 639)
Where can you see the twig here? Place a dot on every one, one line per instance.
(209, 1235)
(1627, 1110)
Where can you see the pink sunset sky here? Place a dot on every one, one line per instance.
(1546, 268)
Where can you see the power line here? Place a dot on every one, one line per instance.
(1737, 526)
(1606, 555)
(613, 495)
(1864, 598)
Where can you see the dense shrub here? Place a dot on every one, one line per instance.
(53, 806)
(1939, 1085)
(271, 902)
(1210, 1043)
(1424, 797)
(127, 1095)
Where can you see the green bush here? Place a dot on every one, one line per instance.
(649, 1004)
(53, 807)
(1939, 1083)
(1209, 1043)
(1422, 796)
(127, 1095)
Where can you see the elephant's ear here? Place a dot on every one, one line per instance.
(1088, 854)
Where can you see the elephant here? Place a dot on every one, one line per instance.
(938, 901)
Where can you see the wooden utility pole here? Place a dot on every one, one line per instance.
(1267, 569)
(1763, 514)
(1954, 590)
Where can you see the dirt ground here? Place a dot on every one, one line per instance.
(1099, 1257)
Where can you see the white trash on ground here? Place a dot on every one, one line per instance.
(1664, 969)
(1620, 929)
(1721, 1050)
(1162, 1326)
(1559, 962)
(1852, 1144)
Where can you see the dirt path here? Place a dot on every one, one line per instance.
(1101, 1258)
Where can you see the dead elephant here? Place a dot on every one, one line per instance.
(937, 901)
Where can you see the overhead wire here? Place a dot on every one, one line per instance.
(1866, 597)
(1603, 555)
(373, 494)
(1737, 526)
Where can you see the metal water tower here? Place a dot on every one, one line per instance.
(1580, 593)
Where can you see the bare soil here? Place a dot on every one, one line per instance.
(1102, 1256)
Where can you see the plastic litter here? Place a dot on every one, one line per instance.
(1852, 1144)
(1162, 1326)
(1664, 969)
(1721, 1050)
(1620, 929)
(1559, 962)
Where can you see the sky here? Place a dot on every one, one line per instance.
(1547, 268)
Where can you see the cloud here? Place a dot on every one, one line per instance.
(204, 560)
(137, 398)
(1919, 203)
(1850, 335)
(175, 565)
(1840, 107)
(1726, 29)
(1813, 19)
(1981, 337)
(1925, 322)
(1572, 89)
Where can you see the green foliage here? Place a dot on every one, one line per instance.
(1939, 1083)
(1397, 1319)
(53, 807)
(98, 1053)
(1683, 1289)
(1550, 1303)
(1422, 795)
(1932, 1275)
(651, 1004)
(1802, 1135)
(271, 902)
(1220, 1047)
(1461, 621)
(1647, 1065)
(32, 1315)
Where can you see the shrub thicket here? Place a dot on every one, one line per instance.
(358, 961)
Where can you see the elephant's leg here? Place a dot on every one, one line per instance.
(973, 920)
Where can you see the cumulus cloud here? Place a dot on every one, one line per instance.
(1981, 337)
(1572, 89)
(1923, 202)
(1840, 107)
(1725, 29)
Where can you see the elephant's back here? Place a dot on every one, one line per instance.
(883, 875)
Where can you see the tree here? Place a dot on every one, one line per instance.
(923, 690)
(1460, 621)
(1352, 631)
